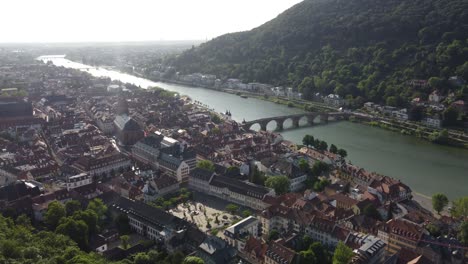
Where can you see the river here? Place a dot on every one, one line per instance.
(427, 168)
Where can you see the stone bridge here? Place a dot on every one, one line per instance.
(325, 117)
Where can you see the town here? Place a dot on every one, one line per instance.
(173, 175)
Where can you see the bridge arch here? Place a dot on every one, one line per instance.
(278, 124)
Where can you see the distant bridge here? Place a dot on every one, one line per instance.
(310, 117)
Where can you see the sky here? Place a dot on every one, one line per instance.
(131, 20)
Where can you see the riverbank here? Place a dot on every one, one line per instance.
(434, 136)
(405, 128)
(423, 200)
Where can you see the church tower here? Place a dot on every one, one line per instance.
(122, 107)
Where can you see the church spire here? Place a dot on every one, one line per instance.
(122, 107)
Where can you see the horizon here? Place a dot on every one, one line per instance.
(124, 21)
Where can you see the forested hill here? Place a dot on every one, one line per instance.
(367, 49)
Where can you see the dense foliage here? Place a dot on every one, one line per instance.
(206, 164)
(278, 183)
(19, 243)
(439, 201)
(343, 254)
(359, 49)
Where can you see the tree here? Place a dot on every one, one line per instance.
(232, 208)
(89, 217)
(258, 177)
(206, 164)
(123, 224)
(308, 140)
(176, 257)
(98, 207)
(436, 82)
(23, 245)
(24, 220)
(342, 153)
(193, 260)
(319, 168)
(451, 116)
(333, 149)
(273, 235)
(142, 258)
(306, 242)
(343, 254)
(307, 88)
(320, 185)
(370, 211)
(460, 207)
(55, 212)
(72, 206)
(246, 213)
(307, 257)
(323, 146)
(434, 230)
(124, 240)
(233, 171)
(216, 119)
(463, 234)
(439, 201)
(391, 101)
(76, 230)
(304, 166)
(440, 137)
(320, 252)
(278, 183)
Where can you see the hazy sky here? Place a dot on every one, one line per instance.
(131, 20)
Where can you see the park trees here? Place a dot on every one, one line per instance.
(278, 183)
(343, 254)
(232, 208)
(55, 212)
(206, 164)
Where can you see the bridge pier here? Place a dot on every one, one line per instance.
(324, 118)
(295, 122)
(263, 126)
(310, 120)
(279, 125)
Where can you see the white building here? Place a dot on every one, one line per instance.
(147, 149)
(78, 180)
(174, 166)
(237, 234)
(101, 166)
(159, 186)
(334, 100)
(432, 121)
(401, 114)
(148, 221)
(232, 190)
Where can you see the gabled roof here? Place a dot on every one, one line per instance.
(201, 174)
(152, 215)
(167, 160)
(255, 191)
(17, 190)
(255, 246)
(153, 141)
(280, 253)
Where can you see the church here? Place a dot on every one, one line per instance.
(127, 129)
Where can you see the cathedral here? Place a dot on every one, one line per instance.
(127, 129)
